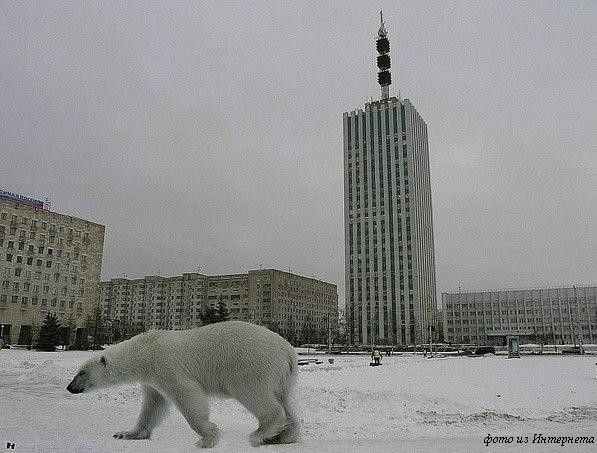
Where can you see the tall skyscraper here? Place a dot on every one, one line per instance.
(389, 253)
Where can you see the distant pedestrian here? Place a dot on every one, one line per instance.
(376, 357)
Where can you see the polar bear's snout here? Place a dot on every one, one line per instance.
(77, 385)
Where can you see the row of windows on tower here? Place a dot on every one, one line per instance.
(374, 129)
(355, 157)
(374, 205)
(358, 278)
(357, 239)
(376, 231)
(384, 278)
(366, 215)
(396, 305)
(407, 257)
(380, 188)
(381, 149)
(398, 162)
(366, 248)
(367, 269)
(376, 308)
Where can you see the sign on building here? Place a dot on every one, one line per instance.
(18, 198)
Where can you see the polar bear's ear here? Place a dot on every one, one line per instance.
(103, 361)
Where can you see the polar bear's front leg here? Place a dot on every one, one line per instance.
(153, 410)
(192, 402)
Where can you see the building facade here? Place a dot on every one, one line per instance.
(50, 263)
(562, 315)
(299, 308)
(388, 224)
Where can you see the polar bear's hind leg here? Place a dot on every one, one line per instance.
(291, 431)
(269, 413)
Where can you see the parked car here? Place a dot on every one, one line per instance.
(481, 350)
(572, 350)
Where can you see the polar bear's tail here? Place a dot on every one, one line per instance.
(293, 362)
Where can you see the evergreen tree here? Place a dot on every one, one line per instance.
(209, 315)
(222, 313)
(49, 336)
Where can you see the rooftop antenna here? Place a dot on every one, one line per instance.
(384, 78)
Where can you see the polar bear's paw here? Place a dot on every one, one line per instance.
(133, 434)
(210, 438)
(256, 439)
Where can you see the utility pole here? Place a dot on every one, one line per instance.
(430, 341)
(329, 333)
(578, 331)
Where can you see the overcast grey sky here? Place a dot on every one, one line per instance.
(209, 134)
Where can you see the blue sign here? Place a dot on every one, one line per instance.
(18, 198)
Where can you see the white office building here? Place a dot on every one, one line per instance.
(561, 315)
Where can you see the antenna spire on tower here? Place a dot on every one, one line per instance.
(384, 78)
(382, 32)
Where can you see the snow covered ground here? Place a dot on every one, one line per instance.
(408, 404)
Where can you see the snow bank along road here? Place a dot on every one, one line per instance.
(408, 404)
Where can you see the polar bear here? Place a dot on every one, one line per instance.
(234, 359)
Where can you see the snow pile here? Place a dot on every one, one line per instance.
(409, 403)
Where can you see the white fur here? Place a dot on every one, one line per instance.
(235, 359)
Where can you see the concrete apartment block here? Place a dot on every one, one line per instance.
(297, 307)
(49, 262)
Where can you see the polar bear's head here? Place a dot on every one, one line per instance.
(122, 363)
(93, 374)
